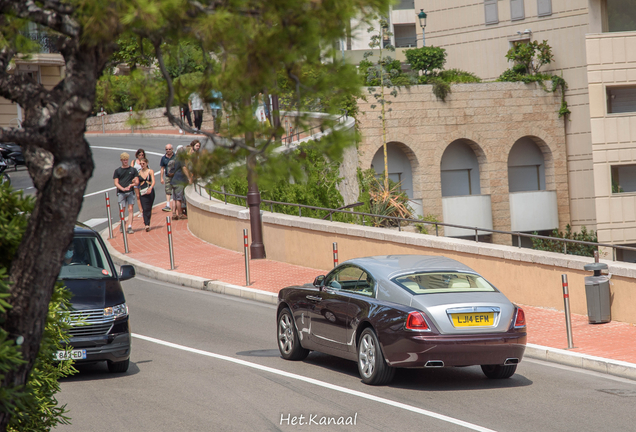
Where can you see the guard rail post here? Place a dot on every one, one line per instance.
(170, 248)
(335, 254)
(566, 302)
(110, 221)
(246, 250)
(122, 219)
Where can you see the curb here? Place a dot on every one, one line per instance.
(553, 355)
(189, 281)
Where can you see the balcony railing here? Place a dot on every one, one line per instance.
(406, 42)
(468, 210)
(533, 211)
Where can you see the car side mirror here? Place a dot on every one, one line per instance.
(126, 272)
(319, 281)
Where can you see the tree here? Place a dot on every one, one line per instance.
(252, 41)
(426, 59)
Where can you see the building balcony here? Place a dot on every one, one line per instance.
(467, 210)
(533, 211)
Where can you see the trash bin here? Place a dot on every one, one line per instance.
(597, 293)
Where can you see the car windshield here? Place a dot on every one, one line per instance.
(85, 259)
(446, 282)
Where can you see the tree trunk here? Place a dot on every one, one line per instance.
(60, 163)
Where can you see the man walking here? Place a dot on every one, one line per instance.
(165, 180)
(196, 105)
(126, 178)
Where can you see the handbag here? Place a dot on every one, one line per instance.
(144, 191)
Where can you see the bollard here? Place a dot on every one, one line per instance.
(247, 258)
(123, 226)
(170, 249)
(566, 302)
(335, 254)
(110, 222)
(227, 117)
(132, 130)
(103, 132)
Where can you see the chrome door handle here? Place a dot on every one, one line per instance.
(314, 298)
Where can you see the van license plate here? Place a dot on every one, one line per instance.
(71, 355)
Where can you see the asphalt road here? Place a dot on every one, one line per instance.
(225, 386)
(106, 151)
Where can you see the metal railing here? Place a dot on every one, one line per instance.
(48, 43)
(406, 42)
(400, 220)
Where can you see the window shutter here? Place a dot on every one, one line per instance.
(492, 14)
(544, 7)
(516, 10)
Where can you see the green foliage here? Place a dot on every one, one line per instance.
(34, 406)
(117, 93)
(423, 228)
(529, 58)
(531, 55)
(134, 51)
(457, 76)
(572, 248)
(315, 185)
(426, 59)
(441, 89)
(442, 79)
(382, 201)
(184, 58)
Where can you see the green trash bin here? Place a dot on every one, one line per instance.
(597, 293)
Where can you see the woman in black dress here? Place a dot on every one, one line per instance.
(146, 190)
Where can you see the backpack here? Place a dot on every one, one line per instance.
(171, 168)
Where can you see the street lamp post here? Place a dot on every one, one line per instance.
(422, 17)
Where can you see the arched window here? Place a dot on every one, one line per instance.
(526, 167)
(459, 170)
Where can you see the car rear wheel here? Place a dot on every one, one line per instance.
(371, 364)
(288, 343)
(499, 371)
(118, 367)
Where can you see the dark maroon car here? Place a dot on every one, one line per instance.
(403, 311)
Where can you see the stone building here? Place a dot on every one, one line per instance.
(492, 156)
(594, 47)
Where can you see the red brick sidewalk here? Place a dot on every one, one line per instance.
(195, 257)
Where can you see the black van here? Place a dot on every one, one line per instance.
(99, 319)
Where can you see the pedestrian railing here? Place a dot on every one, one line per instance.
(370, 217)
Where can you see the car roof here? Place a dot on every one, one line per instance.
(389, 266)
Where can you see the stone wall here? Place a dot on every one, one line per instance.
(490, 118)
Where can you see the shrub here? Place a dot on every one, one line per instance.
(572, 248)
(426, 59)
(34, 407)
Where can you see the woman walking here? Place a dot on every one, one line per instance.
(146, 190)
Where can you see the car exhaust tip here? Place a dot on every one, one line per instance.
(511, 361)
(434, 364)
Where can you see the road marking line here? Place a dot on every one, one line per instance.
(125, 149)
(95, 221)
(318, 383)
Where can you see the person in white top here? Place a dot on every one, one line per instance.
(196, 106)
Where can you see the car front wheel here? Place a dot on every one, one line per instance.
(288, 343)
(371, 364)
(499, 371)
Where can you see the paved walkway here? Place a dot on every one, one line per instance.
(195, 257)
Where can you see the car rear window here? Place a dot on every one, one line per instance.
(88, 260)
(446, 282)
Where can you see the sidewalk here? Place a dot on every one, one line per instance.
(608, 348)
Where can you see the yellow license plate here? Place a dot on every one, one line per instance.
(483, 319)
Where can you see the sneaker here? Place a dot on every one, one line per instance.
(130, 230)
(166, 208)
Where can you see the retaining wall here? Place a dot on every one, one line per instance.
(526, 276)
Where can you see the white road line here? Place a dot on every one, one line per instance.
(319, 383)
(125, 149)
(95, 221)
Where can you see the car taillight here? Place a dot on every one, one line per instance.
(520, 319)
(416, 321)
